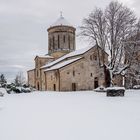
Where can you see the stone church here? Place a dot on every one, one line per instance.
(64, 68)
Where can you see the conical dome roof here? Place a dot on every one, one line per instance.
(61, 21)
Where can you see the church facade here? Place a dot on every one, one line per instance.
(64, 68)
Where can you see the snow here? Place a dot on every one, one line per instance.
(61, 21)
(85, 115)
(121, 70)
(3, 90)
(62, 64)
(136, 87)
(74, 53)
(100, 89)
(45, 56)
(116, 88)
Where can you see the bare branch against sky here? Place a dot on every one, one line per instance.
(24, 23)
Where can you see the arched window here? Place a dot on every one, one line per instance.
(91, 74)
(69, 41)
(49, 43)
(64, 38)
(58, 42)
(95, 57)
(73, 42)
(73, 72)
(53, 42)
(90, 57)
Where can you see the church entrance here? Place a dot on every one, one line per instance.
(38, 86)
(96, 82)
(73, 86)
(54, 87)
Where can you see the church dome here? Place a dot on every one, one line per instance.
(61, 38)
(61, 21)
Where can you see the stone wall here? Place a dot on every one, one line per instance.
(118, 80)
(61, 40)
(81, 75)
(52, 80)
(39, 62)
(31, 78)
(58, 54)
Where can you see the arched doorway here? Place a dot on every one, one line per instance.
(54, 87)
(73, 86)
(96, 84)
(107, 76)
(38, 86)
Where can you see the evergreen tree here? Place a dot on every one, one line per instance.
(3, 80)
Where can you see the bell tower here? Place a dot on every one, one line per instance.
(61, 38)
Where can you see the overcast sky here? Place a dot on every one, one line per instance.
(24, 23)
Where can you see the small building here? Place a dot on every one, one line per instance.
(64, 68)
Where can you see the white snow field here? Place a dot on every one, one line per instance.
(85, 115)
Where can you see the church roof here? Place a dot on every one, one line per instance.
(61, 21)
(62, 64)
(45, 56)
(74, 53)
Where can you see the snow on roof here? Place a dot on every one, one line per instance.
(31, 70)
(74, 53)
(62, 64)
(61, 21)
(45, 56)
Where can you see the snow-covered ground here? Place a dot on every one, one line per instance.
(70, 116)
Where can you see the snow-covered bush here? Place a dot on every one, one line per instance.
(3, 81)
(136, 87)
(25, 90)
(100, 89)
(12, 88)
(2, 92)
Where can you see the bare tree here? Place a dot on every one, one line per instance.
(132, 57)
(20, 79)
(109, 29)
(94, 27)
(121, 21)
